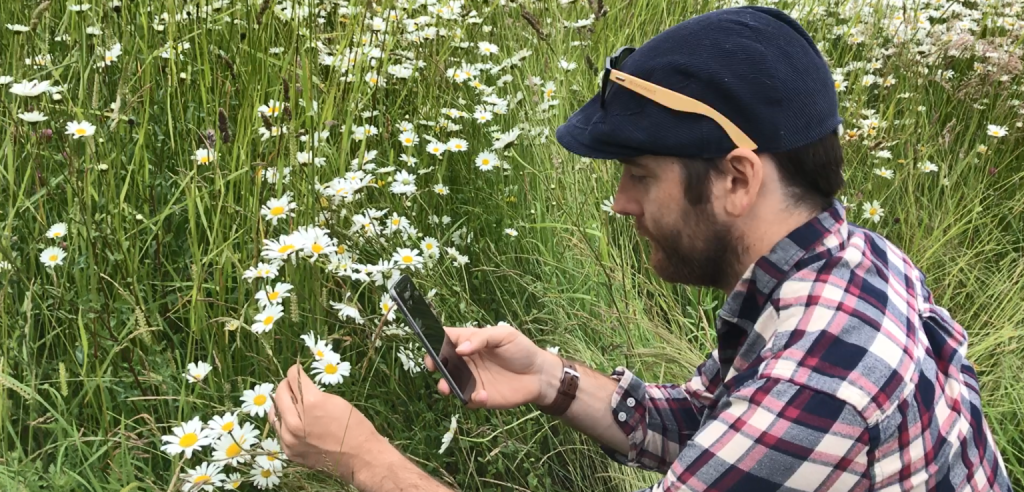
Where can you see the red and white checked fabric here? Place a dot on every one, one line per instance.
(834, 370)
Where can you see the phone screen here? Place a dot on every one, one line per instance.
(428, 328)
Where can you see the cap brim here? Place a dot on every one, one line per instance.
(574, 136)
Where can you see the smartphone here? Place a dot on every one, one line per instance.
(428, 328)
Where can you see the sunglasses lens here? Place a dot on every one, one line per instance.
(623, 55)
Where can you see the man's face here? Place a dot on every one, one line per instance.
(689, 244)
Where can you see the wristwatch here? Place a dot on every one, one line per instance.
(568, 385)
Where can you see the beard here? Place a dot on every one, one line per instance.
(703, 253)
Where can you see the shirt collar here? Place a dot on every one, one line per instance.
(826, 234)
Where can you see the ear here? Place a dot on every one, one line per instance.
(744, 173)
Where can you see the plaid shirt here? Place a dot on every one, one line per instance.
(834, 371)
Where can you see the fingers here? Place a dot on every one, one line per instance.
(429, 363)
(286, 409)
(442, 387)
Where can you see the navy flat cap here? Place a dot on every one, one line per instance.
(755, 65)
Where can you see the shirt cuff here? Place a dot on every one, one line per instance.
(629, 411)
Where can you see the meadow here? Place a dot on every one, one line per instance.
(196, 195)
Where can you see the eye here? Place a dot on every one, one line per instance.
(638, 178)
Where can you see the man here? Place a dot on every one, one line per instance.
(834, 369)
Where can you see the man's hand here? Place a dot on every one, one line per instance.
(324, 432)
(319, 430)
(510, 369)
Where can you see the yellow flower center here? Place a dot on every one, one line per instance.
(873, 211)
(233, 450)
(408, 140)
(188, 440)
(201, 479)
(265, 473)
(260, 400)
(373, 80)
(273, 110)
(386, 306)
(228, 426)
(204, 159)
(395, 222)
(407, 259)
(236, 484)
(486, 162)
(330, 369)
(58, 234)
(79, 131)
(278, 210)
(109, 58)
(273, 296)
(429, 246)
(319, 354)
(271, 457)
(197, 376)
(316, 248)
(285, 248)
(458, 146)
(269, 320)
(53, 257)
(341, 250)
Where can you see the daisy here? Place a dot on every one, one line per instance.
(606, 205)
(52, 256)
(272, 132)
(78, 129)
(272, 455)
(271, 296)
(110, 56)
(205, 156)
(330, 370)
(997, 131)
(512, 232)
(222, 424)
(441, 189)
(17, 27)
(446, 439)
(410, 362)
(408, 138)
(885, 173)
(487, 49)
(316, 241)
(272, 108)
(265, 478)
(262, 270)
(257, 400)
(408, 159)
(233, 481)
(407, 258)
(482, 116)
(265, 320)
(232, 448)
(277, 208)
(566, 65)
(553, 350)
(397, 223)
(457, 145)
(32, 116)
(30, 89)
(928, 167)
(487, 161)
(319, 348)
(404, 183)
(57, 230)
(197, 371)
(186, 438)
(430, 247)
(206, 476)
(347, 311)
(436, 148)
(387, 308)
(873, 211)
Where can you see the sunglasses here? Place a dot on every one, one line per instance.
(665, 97)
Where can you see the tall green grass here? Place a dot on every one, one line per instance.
(91, 352)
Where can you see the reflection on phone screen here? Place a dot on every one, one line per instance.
(423, 316)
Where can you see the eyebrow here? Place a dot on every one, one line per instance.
(629, 161)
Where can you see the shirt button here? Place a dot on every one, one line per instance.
(630, 402)
(622, 416)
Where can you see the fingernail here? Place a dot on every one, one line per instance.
(465, 345)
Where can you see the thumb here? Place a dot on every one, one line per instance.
(300, 382)
(477, 340)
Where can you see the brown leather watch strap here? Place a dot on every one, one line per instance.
(569, 383)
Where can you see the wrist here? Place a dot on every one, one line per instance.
(363, 462)
(550, 378)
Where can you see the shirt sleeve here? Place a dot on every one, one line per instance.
(770, 435)
(658, 420)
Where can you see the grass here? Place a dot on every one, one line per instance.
(92, 351)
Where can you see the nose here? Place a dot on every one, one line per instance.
(623, 205)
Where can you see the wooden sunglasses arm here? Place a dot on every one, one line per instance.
(679, 102)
